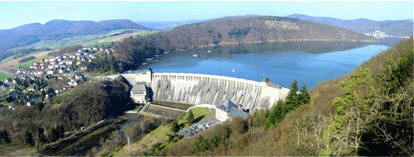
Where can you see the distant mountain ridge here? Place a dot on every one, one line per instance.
(167, 25)
(362, 25)
(59, 29)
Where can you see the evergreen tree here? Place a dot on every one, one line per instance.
(304, 97)
(54, 135)
(190, 117)
(28, 138)
(215, 140)
(279, 112)
(175, 127)
(201, 144)
(40, 136)
(292, 98)
(61, 130)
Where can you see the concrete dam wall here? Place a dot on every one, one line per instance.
(209, 89)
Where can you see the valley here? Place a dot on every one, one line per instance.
(180, 82)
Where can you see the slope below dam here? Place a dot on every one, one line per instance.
(207, 89)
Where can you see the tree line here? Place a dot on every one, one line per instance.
(294, 99)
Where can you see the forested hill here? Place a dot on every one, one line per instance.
(391, 27)
(59, 29)
(234, 30)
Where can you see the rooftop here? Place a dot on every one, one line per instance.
(231, 108)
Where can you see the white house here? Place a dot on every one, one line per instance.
(50, 71)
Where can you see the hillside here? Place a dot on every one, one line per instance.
(251, 29)
(361, 113)
(59, 29)
(391, 27)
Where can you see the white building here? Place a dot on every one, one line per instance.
(139, 93)
(50, 71)
(227, 110)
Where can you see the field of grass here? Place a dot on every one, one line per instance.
(3, 76)
(200, 112)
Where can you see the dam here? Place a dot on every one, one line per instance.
(206, 89)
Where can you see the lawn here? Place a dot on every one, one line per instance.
(3, 76)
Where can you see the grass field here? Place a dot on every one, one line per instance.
(3, 76)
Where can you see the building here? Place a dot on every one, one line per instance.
(227, 110)
(139, 92)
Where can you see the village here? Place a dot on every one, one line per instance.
(43, 80)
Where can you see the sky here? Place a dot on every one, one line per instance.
(16, 13)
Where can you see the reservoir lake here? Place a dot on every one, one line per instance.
(307, 62)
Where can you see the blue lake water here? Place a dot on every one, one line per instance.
(309, 62)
